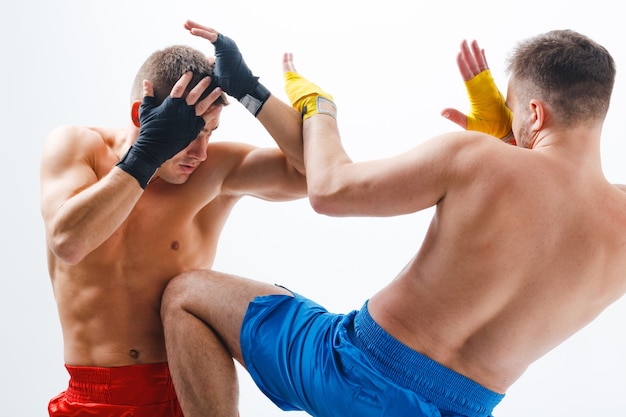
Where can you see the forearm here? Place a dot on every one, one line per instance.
(232, 74)
(90, 217)
(284, 124)
(327, 164)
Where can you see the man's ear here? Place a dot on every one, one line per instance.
(134, 112)
(539, 114)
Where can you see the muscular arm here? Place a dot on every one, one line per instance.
(402, 184)
(337, 186)
(260, 172)
(81, 206)
(282, 122)
(83, 199)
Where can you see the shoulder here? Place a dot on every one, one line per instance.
(74, 137)
(69, 145)
(621, 187)
(455, 143)
(68, 132)
(464, 150)
(468, 142)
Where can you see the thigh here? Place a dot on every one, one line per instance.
(302, 358)
(220, 301)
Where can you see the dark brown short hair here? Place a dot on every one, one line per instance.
(571, 72)
(164, 67)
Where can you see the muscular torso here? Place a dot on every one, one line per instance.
(510, 268)
(109, 302)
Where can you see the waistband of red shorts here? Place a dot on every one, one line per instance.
(132, 385)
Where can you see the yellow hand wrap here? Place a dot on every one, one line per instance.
(489, 113)
(308, 98)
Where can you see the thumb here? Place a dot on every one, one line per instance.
(149, 102)
(455, 116)
(148, 90)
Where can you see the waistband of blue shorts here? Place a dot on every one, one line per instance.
(409, 369)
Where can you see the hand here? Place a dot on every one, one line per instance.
(231, 72)
(488, 111)
(306, 97)
(167, 128)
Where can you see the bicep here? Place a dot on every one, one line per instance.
(265, 173)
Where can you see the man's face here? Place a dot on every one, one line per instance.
(523, 120)
(177, 169)
(519, 130)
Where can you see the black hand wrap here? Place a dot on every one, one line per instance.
(165, 130)
(235, 78)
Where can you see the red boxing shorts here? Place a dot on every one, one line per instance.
(125, 391)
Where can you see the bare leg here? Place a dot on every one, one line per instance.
(202, 312)
(202, 369)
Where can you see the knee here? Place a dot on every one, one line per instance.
(178, 293)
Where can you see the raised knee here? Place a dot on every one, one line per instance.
(177, 293)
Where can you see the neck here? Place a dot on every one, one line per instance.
(581, 144)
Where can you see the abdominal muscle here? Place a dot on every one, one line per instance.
(109, 304)
(105, 326)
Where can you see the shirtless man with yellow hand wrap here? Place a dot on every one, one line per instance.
(525, 248)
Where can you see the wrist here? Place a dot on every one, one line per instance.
(137, 167)
(317, 104)
(253, 101)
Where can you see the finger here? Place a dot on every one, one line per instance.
(455, 116)
(469, 58)
(288, 64)
(466, 73)
(211, 113)
(482, 52)
(181, 85)
(148, 90)
(202, 31)
(210, 36)
(479, 56)
(196, 92)
(209, 101)
(190, 24)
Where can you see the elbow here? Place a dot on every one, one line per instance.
(319, 204)
(327, 201)
(66, 249)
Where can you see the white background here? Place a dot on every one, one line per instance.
(390, 66)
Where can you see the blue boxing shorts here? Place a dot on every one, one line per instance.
(304, 358)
